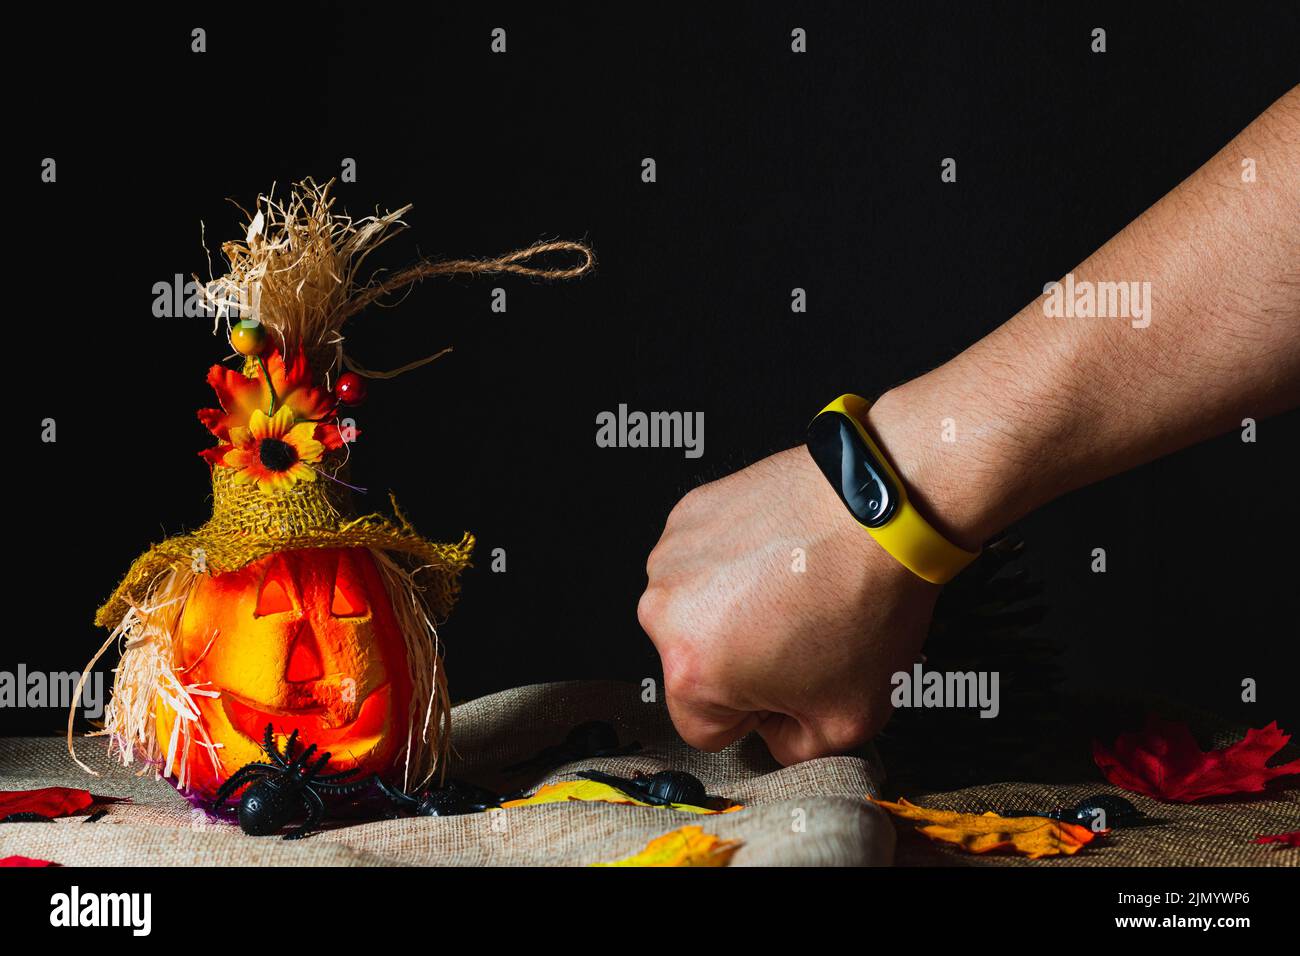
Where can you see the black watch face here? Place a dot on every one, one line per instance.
(852, 469)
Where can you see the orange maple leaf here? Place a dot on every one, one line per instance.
(685, 846)
(983, 833)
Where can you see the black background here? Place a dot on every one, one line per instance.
(775, 170)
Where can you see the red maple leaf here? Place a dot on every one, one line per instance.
(1284, 839)
(49, 801)
(24, 861)
(239, 395)
(1164, 761)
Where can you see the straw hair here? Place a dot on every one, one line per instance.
(428, 736)
(298, 271)
(145, 676)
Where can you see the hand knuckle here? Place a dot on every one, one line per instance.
(687, 675)
(688, 504)
(654, 559)
(650, 609)
(849, 732)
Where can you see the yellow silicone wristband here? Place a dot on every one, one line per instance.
(907, 536)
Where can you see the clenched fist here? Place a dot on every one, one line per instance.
(773, 610)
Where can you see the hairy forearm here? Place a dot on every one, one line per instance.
(1049, 402)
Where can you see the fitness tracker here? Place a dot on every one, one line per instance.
(870, 488)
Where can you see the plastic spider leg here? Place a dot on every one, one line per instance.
(316, 768)
(333, 777)
(301, 760)
(240, 777)
(342, 789)
(315, 812)
(289, 744)
(392, 793)
(268, 744)
(622, 785)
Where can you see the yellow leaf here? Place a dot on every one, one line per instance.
(685, 846)
(599, 792)
(574, 790)
(1032, 836)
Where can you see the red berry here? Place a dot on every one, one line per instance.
(351, 389)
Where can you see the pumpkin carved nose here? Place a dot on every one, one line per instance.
(304, 659)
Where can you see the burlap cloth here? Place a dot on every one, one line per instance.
(836, 826)
(1055, 754)
(1191, 834)
(810, 814)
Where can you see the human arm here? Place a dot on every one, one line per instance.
(1036, 408)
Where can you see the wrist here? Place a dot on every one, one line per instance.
(965, 485)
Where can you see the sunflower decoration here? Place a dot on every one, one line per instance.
(270, 386)
(274, 426)
(273, 451)
(288, 608)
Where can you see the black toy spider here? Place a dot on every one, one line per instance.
(1098, 812)
(657, 789)
(281, 790)
(453, 798)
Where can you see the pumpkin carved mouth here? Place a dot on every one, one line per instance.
(348, 743)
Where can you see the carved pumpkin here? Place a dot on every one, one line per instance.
(286, 607)
(303, 640)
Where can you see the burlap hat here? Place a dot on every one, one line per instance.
(247, 525)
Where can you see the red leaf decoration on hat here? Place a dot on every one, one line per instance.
(1283, 839)
(25, 861)
(1164, 761)
(240, 395)
(49, 801)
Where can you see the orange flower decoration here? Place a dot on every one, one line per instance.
(241, 396)
(272, 452)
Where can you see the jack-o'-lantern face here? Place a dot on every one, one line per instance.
(302, 640)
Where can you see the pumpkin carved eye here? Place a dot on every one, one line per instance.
(349, 591)
(273, 598)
